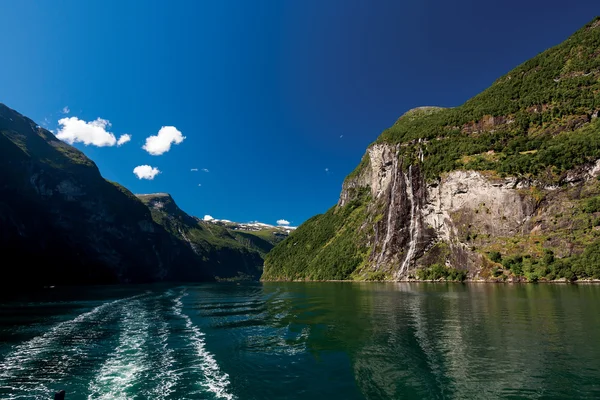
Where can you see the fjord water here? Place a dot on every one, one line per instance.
(303, 341)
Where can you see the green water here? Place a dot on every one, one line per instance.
(303, 341)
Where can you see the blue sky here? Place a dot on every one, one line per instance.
(278, 100)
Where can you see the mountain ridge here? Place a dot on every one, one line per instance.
(228, 252)
(56, 206)
(418, 205)
(61, 222)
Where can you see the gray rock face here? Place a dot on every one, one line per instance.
(497, 207)
(400, 234)
(411, 217)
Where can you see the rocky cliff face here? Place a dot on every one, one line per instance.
(456, 221)
(459, 209)
(399, 196)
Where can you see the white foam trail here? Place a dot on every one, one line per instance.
(215, 380)
(166, 377)
(123, 368)
(18, 361)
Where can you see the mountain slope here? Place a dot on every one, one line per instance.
(61, 222)
(502, 187)
(263, 237)
(225, 253)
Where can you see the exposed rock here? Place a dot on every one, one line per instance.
(594, 171)
(499, 209)
(416, 216)
(69, 190)
(487, 123)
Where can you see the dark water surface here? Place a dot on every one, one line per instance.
(303, 341)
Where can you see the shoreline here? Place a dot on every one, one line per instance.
(561, 281)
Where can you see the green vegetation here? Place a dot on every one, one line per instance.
(326, 247)
(438, 272)
(592, 205)
(228, 255)
(261, 241)
(530, 119)
(241, 277)
(495, 256)
(548, 267)
(375, 276)
(587, 265)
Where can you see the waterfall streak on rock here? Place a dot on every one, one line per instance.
(414, 225)
(389, 226)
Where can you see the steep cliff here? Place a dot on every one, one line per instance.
(502, 187)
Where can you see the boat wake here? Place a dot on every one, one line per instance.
(143, 346)
(215, 381)
(31, 368)
(118, 377)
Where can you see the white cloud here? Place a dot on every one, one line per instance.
(123, 139)
(199, 184)
(207, 218)
(326, 169)
(73, 130)
(341, 136)
(146, 172)
(205, 170)
(66, 110)
(194, 169)
(283, 222)
(161, 142)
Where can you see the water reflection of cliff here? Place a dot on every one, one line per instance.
(446, 341)
(473, 341)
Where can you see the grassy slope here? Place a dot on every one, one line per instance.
(324, 247)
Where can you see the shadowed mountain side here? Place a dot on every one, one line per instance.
(62, 223)
(225, 252)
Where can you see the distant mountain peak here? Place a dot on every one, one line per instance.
(250, 226)
(153, 195)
